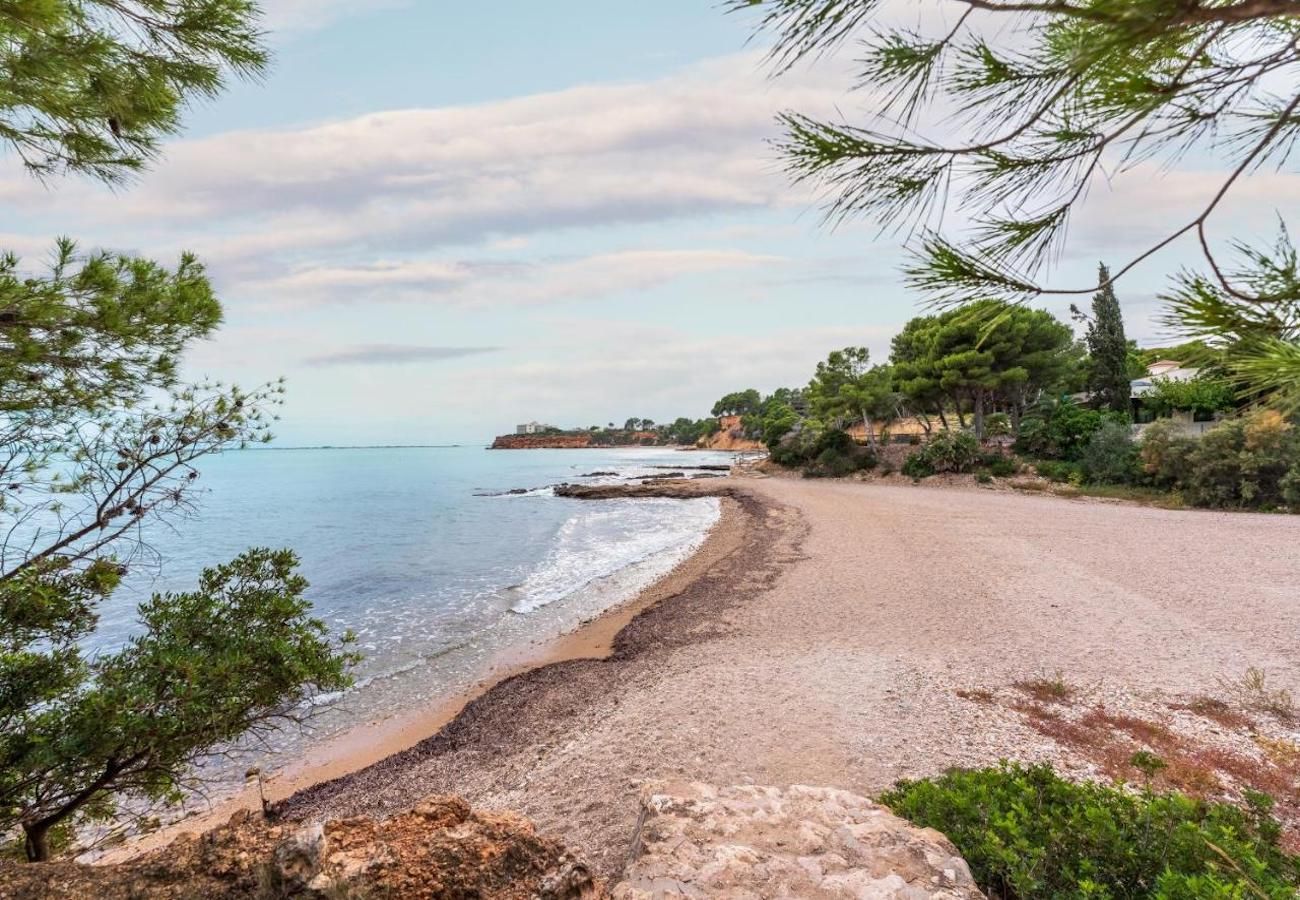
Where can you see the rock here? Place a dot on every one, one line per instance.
(440, 848)
(299, 857)
(749, 842)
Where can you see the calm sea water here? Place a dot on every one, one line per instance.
(421, 553)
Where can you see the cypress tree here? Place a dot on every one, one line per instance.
(1108, 347)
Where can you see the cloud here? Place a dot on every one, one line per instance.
(411, 180)
(504, 283)
(393, 354)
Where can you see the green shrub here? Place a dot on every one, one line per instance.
(1164, 451)
(1028, 833)
(952, 451)
(999, 465)
(835, 454)
(1058, 470)
(1111, 456)
(1062, 429)
(917, 466)
(997, 425)
(1246, 462)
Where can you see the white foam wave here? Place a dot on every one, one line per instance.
(602, 539)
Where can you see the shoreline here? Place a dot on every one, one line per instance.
(365, 745)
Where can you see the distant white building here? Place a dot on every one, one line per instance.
(1162, 370)
(531, 428)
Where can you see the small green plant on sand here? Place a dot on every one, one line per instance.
(1047, 688)
(1028, 833)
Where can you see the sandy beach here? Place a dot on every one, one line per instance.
(833, 633)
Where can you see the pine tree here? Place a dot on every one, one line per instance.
(1109, 380)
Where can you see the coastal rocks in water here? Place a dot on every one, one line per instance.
(680, 488)
(599, 475)
(700, 841)
(441, 848)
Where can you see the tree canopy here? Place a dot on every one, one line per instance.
(990, 353)
(91, 86)
(1108, 371)
(1052, 97)
(98, 439)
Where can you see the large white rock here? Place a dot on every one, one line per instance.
(738, 843)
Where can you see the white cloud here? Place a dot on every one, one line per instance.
(401, 180)
(497, 284)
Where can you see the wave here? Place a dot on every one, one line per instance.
(602, 540)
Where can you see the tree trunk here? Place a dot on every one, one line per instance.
(37, 840)
(871, 431)
(944, 419)
(979, 415)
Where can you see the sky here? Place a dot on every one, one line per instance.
(438, 220)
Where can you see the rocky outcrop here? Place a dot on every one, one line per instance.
(677, 488)
(541, 441)
(441, 848)
(811, 842)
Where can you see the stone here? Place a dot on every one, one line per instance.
(697, 840)
(298, 859)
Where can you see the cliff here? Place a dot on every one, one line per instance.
(731, 436)
(541, 441)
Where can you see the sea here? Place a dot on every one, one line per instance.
(441, 560)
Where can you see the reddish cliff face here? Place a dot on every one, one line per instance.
(541, 441)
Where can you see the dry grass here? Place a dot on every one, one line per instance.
(1252, 691)
(1044, 689)
(1281, 751)
(976, 695)
(1217, 710)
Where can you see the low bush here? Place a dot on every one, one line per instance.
(1027, 833)
(1061, 429)
(1000, 466)
(1111, 456)
(997, 425)
(1249, 462)
(917, 466)
(947, 451)
(835, 454)
(1060, 471)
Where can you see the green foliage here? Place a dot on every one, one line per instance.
(1203, 396)
(1061, 429)
(777, 422)
(1054, 97)
(946, 451)
(738, 403)
(1251, 319)
(1244, 462)
(1109, 362)
(97, 439)
(234, 657)
(978, 355)
(1027, 834)
(999, 466)
(997, 425)
(846, 389)
(93, 86)
(1059, 471)
(1110, 456)
(98, 330)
